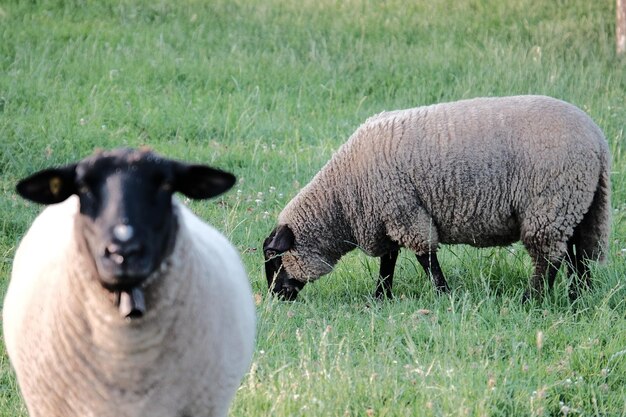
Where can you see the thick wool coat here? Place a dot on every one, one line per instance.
(483, 172)
(76, 357)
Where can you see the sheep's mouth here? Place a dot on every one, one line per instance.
(289, 291)
(279, 282)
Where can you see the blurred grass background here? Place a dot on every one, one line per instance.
(268, 90)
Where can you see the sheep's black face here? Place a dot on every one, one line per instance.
(126, 222)
(126, 215)
(278, 280)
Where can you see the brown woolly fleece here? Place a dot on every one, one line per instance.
(483, 172)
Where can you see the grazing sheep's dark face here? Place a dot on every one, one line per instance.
(278, 280)
(126, 222)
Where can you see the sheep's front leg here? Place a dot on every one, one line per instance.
(385, 276)
(431, 266)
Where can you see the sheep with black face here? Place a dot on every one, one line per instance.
(122, 302)
(483, 172)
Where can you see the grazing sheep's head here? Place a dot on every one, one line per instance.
(278, 280)
(126, 223)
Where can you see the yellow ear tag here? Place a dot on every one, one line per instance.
(55, 185)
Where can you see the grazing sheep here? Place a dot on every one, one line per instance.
(122, 302)
(483, 172)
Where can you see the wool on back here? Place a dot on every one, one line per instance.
(460, 172)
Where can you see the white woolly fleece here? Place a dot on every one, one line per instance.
(76, 357)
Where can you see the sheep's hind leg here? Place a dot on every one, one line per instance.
(586, 245)
(578, 268)
(385, 276)
(544, 271)
(591, 236)
(431, 266)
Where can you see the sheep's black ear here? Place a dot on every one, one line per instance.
(49, 186)
(201, 181)
(282, 240)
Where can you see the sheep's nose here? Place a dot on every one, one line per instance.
(122, 248)
(123, 232)
(122, 253)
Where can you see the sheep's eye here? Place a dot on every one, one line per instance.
(83, 188)
(160, 182)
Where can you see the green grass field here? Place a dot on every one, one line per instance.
(268, 90)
